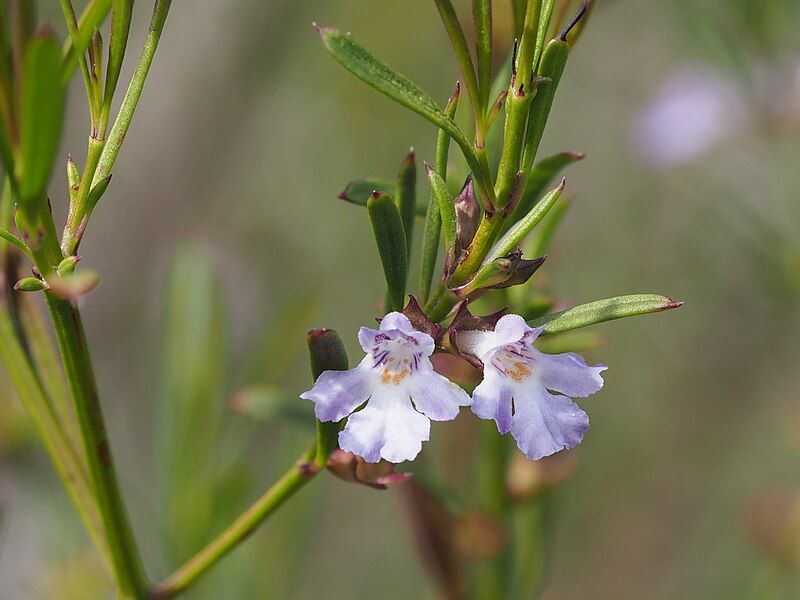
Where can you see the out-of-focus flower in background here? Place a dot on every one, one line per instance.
(693, 111)
(700, 107)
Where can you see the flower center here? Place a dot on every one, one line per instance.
(514, 360)
(396, 355)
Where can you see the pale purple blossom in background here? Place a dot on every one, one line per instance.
(400, 388)
(517, 384)
(694, 111)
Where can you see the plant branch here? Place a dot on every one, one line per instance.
(80, 376)
(294, 479)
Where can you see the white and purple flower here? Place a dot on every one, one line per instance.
(400, 388)
(517, 384)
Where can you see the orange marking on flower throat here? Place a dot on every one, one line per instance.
(388, 376)
(519, 371)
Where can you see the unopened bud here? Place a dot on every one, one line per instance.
(352, 468)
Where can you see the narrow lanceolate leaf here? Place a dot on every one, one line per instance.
(10, 237)
(554, 59)
(543, 235)
(96, 193)
(192, 373)
(513, 238)
(374, 73)
(603, 310)
(541, 176)
(544, 25)
(91, 19)
(326, 352)
(433, 220)
(482, 15)
(387, 225)
(447, 212)
(459, 43)
(41, 115)
(118, 40)
(358, 191)
(406, 196)
(272, 404)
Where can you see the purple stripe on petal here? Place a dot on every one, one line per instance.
(492, 400)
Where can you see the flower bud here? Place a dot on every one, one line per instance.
(352, 468)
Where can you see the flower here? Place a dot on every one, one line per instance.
(401, 390)
(516, 379)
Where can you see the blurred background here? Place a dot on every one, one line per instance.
(689, 114)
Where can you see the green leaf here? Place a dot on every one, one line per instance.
(6, 94)
(30, 284)
(513, 238)
(544, 24)
(447, 209)
(459, 43)
(377, 75)
(358, 192)
(41, 116)
(433, 220)
(600, 311)
(387, 225)
(374, 73)
(10, 237)
(91, 18)
(272, 404)
(571, 341)
(543, 235)
(406, 196)
(96, 193)
(192, 374)
(482, 16)
(541, 176)
(118, 41)
(554, 60)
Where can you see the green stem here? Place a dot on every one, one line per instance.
(103, 152)
(294, 479)
(134, 92)
(91, 91)
(459, 42)
(492, 574)
(531, 529)
(33, 398)
(80, 376)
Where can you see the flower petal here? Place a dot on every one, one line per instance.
(544, 424)
(387, 428)
(396, 320)
(509, 329)
(436, 396)
(568, 374)
(492, 400)
(338, 393)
